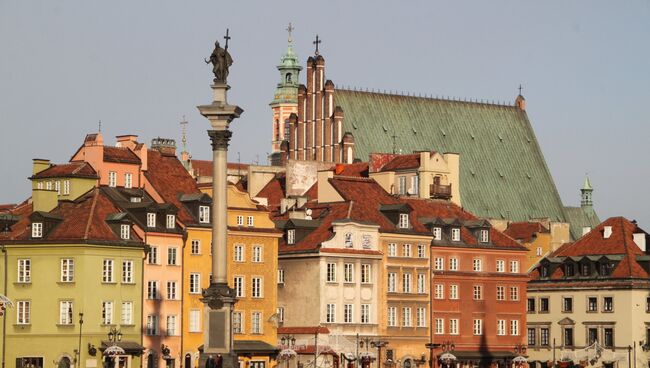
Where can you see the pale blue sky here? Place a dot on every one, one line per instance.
(138, 66)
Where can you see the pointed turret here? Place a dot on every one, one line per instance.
(587, 189)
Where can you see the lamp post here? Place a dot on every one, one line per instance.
(447, 357)
(81, 323)
(114, 335)
(288, 344)
(629, 356)
(378, 344)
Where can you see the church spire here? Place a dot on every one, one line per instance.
(587, 189)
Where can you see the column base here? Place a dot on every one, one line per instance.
(227, 360)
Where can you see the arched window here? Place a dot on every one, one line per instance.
(287, 78)
(188, 360)
(150, 361)
(64, 363)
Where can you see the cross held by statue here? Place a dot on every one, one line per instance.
(227, 37)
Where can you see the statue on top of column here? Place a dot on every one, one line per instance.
(220, 60)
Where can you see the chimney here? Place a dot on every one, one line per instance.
(586, 230)
(639, 239)
(128, 141)
(607, 232)
(166, 146)
(39, 165)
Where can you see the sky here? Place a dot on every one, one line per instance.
(138, 67)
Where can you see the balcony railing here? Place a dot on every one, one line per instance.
(440, 191)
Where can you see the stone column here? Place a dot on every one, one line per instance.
(219, 297)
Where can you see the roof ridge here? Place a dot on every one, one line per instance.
(90, 214)
(628, 251)
(429, 97)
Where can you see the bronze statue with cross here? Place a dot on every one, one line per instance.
(220, 60)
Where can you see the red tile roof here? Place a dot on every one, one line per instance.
(120, 154)
(402, 162)
(524, 231)
(73, 169)
(204, 167)
(274, 190)
(359, 169)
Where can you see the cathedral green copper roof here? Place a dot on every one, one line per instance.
(503, 173)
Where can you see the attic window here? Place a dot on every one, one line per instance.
(125, 232)
(544, 271)
(607, 232)
(151, 219)
(136, 199)
(437, 233)
(484, 236)
(37, 230)
(403, 221)
(291, 236)
(569, 270)
(455, 234)
(348, 240)
(171, 221)
(204, 214)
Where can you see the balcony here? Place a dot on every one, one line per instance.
(440, 191)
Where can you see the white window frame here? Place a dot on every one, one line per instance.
(57, 187)
(171, 290)
(108, 271)
(501, 292)
(455, 234)
(439, 264)
(171, 221)
(501, 265)
(422, 253)
(280, 276)
(439, 326)
(437, 233)
(514, 327)
(195, 283)
(23, 312)
(407, 317)
(125, 232)
(67, 270)
(484, 236)
(107, 312)
(37, 229)
(152, 325)
(239, 284)
(330, 272)
(477, 265)
(172, 256)
(151, 219)
(453, 326)
(112, 179)
(501, 327)
(291, 236)
(439, 291)
(392, 250)
(195, 247)
(195, 320)
(126, 318)
(66, 187)
(403, 221)
(477, 327)
(406, 283)
(153, 291)
(477, 292)
(392, 282)
(171, 329)
(392, 317)
(152, 257)
(348, 273)
(24, 271)
(65, 312)
(239, 253)
(128, 180)
(256, 323)
(366, 273)
(257, 287)
(514, 266)
(514, 293)
(330, 313)
(257, 254)
(365, 313)
(250, 221)
(406, 250)
(237, 322)
(240, 220)
(453, 291)
(422, 283)
(348, 313)
(421, 317)
(204, 214)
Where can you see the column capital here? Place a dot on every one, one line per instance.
(220, 139)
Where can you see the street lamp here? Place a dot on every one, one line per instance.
(431, 346)
(447, 357)
(378, 344)
(288, 344)
(520, 359)
(114, 335)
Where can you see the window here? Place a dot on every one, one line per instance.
(421, 283)
(237, 322)
(39, 185)
(440, 326)
(37, 230)
(152, 325)
(365, 313)
(107, 313)
(195, 320)
(421, 251)
(568, 336)
(392, 316)
(291, 236)
(171, 325)
(501, 265)
(57, 187)
(567, 304)
(348, 272)
(403, 221)
(67, 270)
(239, 253)
(501, 293)
(406, 283)
(171, 221)
(439, 264)
(437, 233)
(501, 327)
(136, 199)
(585, 269)
(514, 293)
(478, 292)
(280, 313)
(171, 290)
(421, 317)
(23, 310)
(239, 286)
(195, 283)
(478, 327)
(127, 313)
(392, 250)
(514, 266)
(484, 236)
(543, 271)
(127, 272)
(406, 317)
(406, 250)
(365, 274)
(477, 265)
(569, 270)
(401, 185)
(66, 187)
(171, 256)
(608, 337)
(256, 322)
(530, 305)
(125, 232)
(195, 248)
(107, 271)
(592, 304)
(256, 291)
(24, 270)
(544, 338)
(48, 185)
(65, 312)
(415, 185)
(538, 252)
(250, 221)
(592, 335)
(348, 313)
(453, 291)
(392, 280)
(257, 254)
(152, 289)
(543, 305)
(331, 272)
(532, 337)
(608, 304)
(152, 257)
(112, 179)
(330, 313)
(128, 180)
(151, 219)
(348, 240)
(455, 234)
(453, 264)
(240, 220)
(453, 326)
(647, 304)
(280, 276)
(204, 214)
(514, 327)
(439, 292)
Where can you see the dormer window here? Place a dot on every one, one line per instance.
(37, 230)
(291, 236)
(484, 236)
(455, 234)
(543, 271)
(171, 221)
(136, 199)
(585, 269)
(204, 214)
(569, 270)
(403, 221)
(348, 240)
(125, 232)
(437, 233)
(151, 219)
